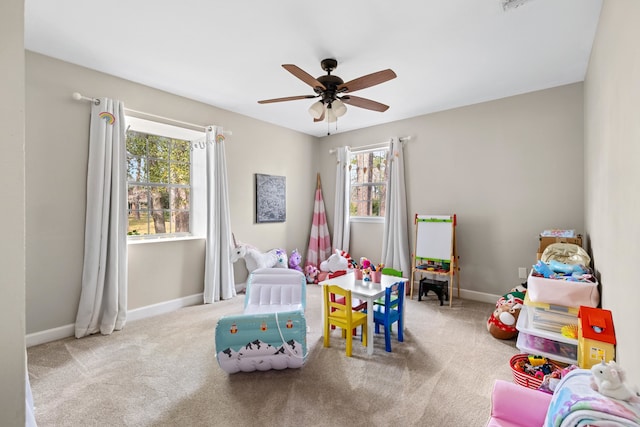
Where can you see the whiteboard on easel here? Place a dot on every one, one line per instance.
(434, 237)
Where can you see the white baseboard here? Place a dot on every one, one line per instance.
(67, 331)
(163, 307)
(477, 296)
(49, 335)
(470, 295)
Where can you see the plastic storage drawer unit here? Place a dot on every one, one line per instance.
(552, 345)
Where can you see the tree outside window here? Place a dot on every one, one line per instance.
(368, 177)
(159, 184)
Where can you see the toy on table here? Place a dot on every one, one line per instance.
(502, 322)
(366, 275)
(608, 380)
(364, 263)
(294, 260)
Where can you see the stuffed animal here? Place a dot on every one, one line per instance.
(502, 322)
(608, 380)
(311, 273)
(253, 258)
(294, 260)
(338, 261)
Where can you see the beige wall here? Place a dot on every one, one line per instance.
(500, 166)
(12, 194)
(56, 157)
(612, 155)
(177, 271)
(508, 168)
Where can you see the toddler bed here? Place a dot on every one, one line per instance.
(271, 333)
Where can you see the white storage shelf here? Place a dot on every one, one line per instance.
(552, 345)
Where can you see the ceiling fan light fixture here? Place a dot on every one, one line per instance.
(329, 87)
(316, 110)
(338, 107)
(331, 116)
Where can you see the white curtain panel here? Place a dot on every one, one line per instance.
(30, 418)
(395, 240)
(341, 214)
(103, 299)
(218, 269)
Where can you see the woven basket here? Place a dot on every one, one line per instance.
(522, 378)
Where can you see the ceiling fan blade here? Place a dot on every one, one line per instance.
(367, 81)
(356, 101)
(319, 119)
(303, 75)
(288, 98)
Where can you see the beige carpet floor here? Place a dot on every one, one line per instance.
(162, 371)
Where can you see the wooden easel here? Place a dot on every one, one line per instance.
(434, 248)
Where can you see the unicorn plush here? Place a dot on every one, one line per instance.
(253, 258)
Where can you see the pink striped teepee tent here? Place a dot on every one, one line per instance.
(319, 240)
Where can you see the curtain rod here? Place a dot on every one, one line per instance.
(79, 97)
(402, 139)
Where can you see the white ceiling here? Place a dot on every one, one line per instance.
(446, 53)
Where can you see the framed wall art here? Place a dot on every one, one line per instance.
(271, 198)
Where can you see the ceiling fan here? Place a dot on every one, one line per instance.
(332, 91)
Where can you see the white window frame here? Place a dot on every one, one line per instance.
(175, 132)
(355, 152)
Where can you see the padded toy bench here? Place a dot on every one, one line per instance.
(271, 333)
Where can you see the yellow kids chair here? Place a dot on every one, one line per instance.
(340, 313)
(359, 305)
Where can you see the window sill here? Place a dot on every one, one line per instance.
(162, 240)
(367, 219)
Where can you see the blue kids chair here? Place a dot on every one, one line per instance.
(390, 312)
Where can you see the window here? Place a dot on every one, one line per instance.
(158, 180)
(368, 177)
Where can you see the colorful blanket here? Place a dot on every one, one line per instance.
(576, 404)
